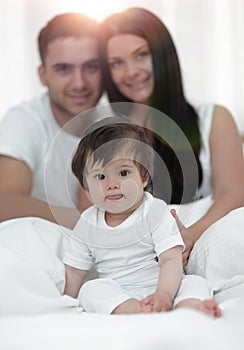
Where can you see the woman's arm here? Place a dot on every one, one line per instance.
(227, 167)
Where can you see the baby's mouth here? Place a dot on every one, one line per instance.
(114, 197)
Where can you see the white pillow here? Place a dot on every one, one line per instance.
(192, 212)
(41, 243)
(38, 242)
(218, 255)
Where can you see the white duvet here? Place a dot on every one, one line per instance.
(177, 330)
(34, 315)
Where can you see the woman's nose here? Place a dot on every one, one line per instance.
(131, 69)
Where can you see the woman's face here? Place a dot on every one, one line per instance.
(131, 66)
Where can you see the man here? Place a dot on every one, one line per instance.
(35, 177)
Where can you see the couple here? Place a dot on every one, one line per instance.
(79, 60)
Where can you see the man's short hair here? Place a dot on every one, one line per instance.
(64, 26)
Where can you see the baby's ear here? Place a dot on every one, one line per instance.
(83, 199)
(146, 180)
(88, 195)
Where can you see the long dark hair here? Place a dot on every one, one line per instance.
(168, 95)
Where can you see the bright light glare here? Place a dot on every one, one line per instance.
(97, 9)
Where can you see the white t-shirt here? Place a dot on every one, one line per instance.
(27, 133)
(205, 113)
(125, 253)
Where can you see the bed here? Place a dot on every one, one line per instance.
(36, 315)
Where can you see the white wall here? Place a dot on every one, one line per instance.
(207, 33)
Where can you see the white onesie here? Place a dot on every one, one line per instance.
(125, 256)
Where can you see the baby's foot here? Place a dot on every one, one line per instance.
(209, 307)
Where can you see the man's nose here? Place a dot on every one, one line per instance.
(78, 78)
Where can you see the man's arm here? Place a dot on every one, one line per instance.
(15, 199)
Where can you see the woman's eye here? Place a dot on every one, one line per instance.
(142, 55)
(100, 177)
(124, 173)
(115, 64)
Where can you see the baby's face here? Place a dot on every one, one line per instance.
(116, 187)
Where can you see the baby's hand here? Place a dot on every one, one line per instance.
(156, 302)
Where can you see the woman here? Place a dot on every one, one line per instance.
(140, 65)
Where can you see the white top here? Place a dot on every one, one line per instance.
(125, 253)
(205, 113)
(27, 132)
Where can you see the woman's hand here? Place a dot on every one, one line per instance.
(187, 237)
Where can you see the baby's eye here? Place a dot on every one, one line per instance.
(124, 173)
(100, 177)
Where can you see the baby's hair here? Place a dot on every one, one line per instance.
(105, 139)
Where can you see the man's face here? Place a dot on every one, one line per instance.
(72, 74)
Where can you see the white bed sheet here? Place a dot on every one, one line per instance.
(176, 330)
(35, 315)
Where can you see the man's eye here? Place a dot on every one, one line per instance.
(100, 177)
(124, 173)
(91, 68)
(62, 68)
